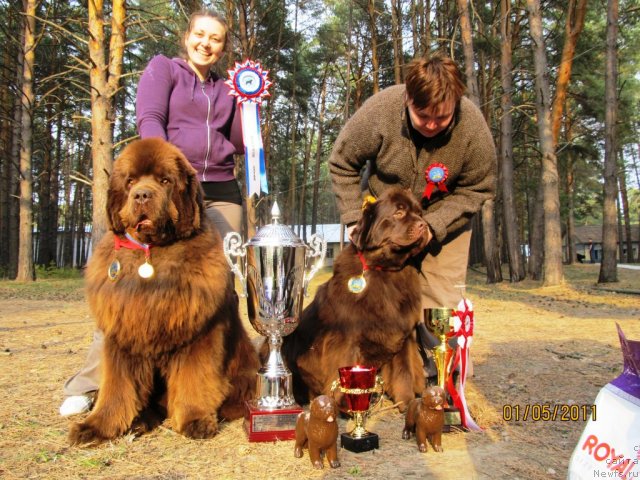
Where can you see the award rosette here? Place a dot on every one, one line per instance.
(249, 83)
(463, 329)
(435, 175)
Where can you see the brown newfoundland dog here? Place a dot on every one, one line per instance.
(375, 326)
(174, 342)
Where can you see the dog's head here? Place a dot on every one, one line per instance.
(433, 398)
(154, 193)
(323, 408)
(391, 228)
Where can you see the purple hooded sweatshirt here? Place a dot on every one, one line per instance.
(197, 117)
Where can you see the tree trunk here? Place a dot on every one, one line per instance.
(309, 135)
(10, 104)
(47, 210)
(427, 26)
(375, 61)
(608, 267)
(396, 38)
(576, 11)
(247, 26)
(570, 179)
(104, 77)
(26, 271)
(467, 46)
(489, 237)
(415, 33)
(291, 207)
(536, 233)
(347, 94)
(316, 174)
(551, 197)
(624, 201)
(516, 265)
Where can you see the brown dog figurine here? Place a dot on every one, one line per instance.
(318, 430)
(425, 417)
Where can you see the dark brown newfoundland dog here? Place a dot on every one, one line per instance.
(174, 343)
(376, 326)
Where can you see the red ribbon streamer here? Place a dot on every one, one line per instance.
(465, 331)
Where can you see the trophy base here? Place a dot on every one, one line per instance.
(452, 420)
(270, 425)
(365, 443)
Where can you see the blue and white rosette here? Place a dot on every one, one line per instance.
(249, 83)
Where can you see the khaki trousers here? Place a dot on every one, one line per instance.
(445, 272)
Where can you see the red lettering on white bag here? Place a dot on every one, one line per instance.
(604, 451)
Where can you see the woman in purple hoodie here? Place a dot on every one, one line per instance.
(183, 101)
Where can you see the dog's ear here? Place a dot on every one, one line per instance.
(361, 230)
(189, 200)
(116, 199)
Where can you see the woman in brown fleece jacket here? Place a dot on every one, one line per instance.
(425, 136)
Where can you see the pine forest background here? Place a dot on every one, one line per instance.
(557, 81)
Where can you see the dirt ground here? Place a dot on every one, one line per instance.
(532, 346)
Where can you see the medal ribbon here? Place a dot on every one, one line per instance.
(132, 244)
(249, 94)
(464, 331)
(365, 267)
(435, 176)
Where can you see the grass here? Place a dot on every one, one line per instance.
(67, 284)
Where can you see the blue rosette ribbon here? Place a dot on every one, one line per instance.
(249, 84)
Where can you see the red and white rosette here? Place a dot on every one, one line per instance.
(463, 330)
(435, 175)
(249, 83)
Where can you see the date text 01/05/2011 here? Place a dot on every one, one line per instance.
(538, 412)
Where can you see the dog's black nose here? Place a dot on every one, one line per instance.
(142, 195)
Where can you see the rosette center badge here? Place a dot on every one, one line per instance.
(248, 81)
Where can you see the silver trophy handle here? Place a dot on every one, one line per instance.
(233, 248)
(317, 248)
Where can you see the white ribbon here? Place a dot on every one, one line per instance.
(253, 149)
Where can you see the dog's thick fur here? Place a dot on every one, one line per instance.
(174, 343)
(374, 327)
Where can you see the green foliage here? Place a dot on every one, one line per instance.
(52, 272)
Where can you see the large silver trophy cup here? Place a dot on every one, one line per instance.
(274, 269)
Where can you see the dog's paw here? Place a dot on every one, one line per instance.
(297, 452)
(84, 434)
(147, 421)
(205, 427)
(422, 447)
(438, 448)
(334, 463)
(406, 434)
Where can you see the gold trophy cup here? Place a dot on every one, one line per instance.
(440, 323)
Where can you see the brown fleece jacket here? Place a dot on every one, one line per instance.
(380, 131)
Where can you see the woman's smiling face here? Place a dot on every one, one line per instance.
(205, 44)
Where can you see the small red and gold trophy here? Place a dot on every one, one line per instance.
(362, 390)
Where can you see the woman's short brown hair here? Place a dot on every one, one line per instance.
(433, 80)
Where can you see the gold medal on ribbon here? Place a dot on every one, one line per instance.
(146, 270)
(114, 270)
(357, 284)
